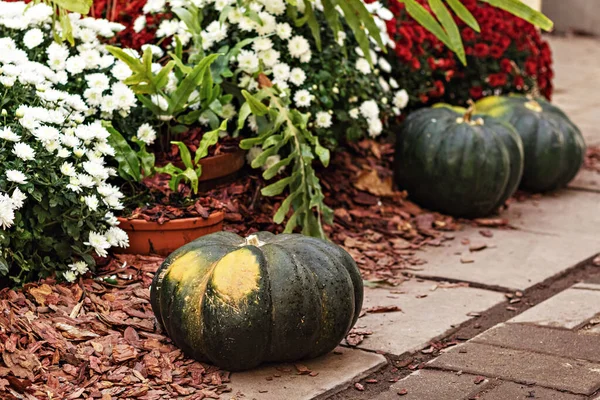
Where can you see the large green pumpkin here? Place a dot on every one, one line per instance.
(239, 302)
(452, 162)
(554, 147)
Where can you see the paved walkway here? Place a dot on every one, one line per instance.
(548, 352)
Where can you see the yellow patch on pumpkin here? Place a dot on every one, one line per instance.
(185, 267)
(236, 275)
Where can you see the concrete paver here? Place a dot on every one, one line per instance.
(515, 391)
(434, 385)
(517, 261)
(422, 318)
(558, 342)
(335, 372)
(570, 214)
(568, 309)
(576, 376)
(586, 180)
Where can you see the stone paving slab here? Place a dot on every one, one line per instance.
(571, 214)
(576, 376)
(568, 309)
(558, 342)
(434, 385)
(518, 261)
(422, 318)
(335, 372)
(586, 180)
(515, 391)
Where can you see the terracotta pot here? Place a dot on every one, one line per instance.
(215, 167)
(222, 165)
(151, 238)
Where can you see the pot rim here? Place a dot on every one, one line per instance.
(171, 225)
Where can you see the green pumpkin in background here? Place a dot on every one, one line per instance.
(554, 146)
(458, 163)
(239, 302)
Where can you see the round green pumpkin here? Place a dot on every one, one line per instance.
(455, 163)
(554, 147)
(239, 302)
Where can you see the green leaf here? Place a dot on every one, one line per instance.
(426, 20)
(522, 10)
(133, 63)
(162, 78)
(313, 24)
(189, 84)
(444, 16)
(322, 153)
(78, 6)
(284, 208)
(464, 14)
(184, 153)
(192, 177)
(189, 18)
(277, 187)
(4, 267)
(129, 166)
(209, 139)
(274, 169)
(245, 112)
(355, 25)
(367, 19)
(256, 106)
(147, 159)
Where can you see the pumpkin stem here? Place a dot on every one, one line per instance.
(470, 111)
(253, 240)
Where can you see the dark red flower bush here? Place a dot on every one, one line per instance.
(508, 55)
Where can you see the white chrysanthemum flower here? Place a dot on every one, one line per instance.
(323, 119)
(281, 72)
(306, 57)
(248, 61)
(369, 109)
(99, 243)
(68, 169)
(401, 99)
(86, 181)
(117, 237)
(91, 202)
(18, 199)
(354, 113)
(7, 212)
(167, 28)
(385, 65)
(384, 85)
(124, 97)
(111, 219)
(375, 127)
(276, 7)
(228, 111)
(16, 176)
(394, 83)
(146, 134)
(156, 51)
(302, 98)
(139, 24)
(269, 57)
(69, 276)
(262, 44)
(7, 134)
(253, 153)
(33, 38)
(268, 26)
(46, 133)
(98, 81)
(362, 65)
(154, 6)
(341, 37)
(80, 267)
(297, 76)
(298, 46)
(284, 31)
(271, 161)
(121, 71)
(75, 65)
(24, 151)
(160, 101)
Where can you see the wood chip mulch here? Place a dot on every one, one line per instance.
(95, 340)
(592, 159)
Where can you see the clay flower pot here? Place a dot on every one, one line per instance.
(222, 165)
(151, 238)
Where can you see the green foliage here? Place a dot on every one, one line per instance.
(61, 9)
(282, 126)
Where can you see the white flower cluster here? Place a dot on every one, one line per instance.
(277, 50)
(56, 129)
